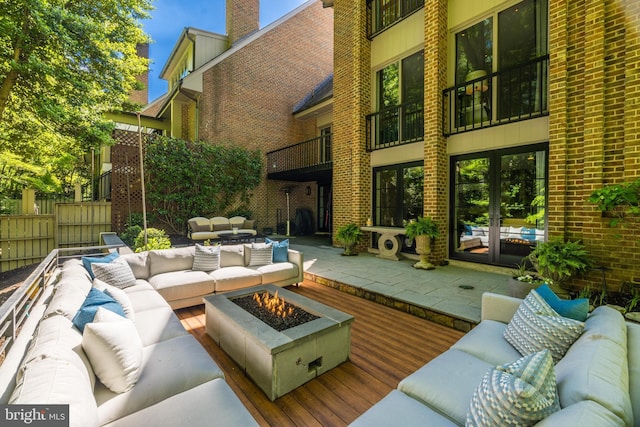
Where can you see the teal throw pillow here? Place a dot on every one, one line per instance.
(576, 309)
(88, 260)
(280, 250)
(94, 300)
(528, 234)
(516, 394)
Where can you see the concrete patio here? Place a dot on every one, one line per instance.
(449, 295)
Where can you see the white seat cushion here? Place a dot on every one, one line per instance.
(232, 278)
(276, 272)
(486, 342)
(182, 284)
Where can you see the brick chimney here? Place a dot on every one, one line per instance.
(142, 96)
(243, 18)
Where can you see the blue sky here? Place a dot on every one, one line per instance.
(170, 17)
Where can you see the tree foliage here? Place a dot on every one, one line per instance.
(185, 179)
(62, 65)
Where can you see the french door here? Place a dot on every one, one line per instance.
(498, 203)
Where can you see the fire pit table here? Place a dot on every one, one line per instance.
(276, 361)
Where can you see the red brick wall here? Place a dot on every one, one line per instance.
(594, 130)
(248, 98)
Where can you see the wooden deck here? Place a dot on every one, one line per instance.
(386, 346)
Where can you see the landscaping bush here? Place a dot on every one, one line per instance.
(156, 239)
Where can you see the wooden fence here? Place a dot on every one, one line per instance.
(28, 239)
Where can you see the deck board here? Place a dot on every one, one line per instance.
(386, 346)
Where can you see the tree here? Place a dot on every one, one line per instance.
(62, 65)
(185, 179)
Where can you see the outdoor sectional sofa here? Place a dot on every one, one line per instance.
(598, 379)
(145, 369)
(201, 228)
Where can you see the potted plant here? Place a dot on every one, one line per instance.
(557, 261)
(349, 235)
(522, 281)
(423, 230)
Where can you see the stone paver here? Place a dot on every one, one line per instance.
(439, 290)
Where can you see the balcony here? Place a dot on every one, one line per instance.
(385, 13)
(397, 125)
(506, 96)
(309, 160)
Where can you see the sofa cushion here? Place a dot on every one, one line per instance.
(157, 325)
(144, 298)
(518, 393)
(53, 380)
(56, 337)
(447, 383)
(166, 260)
(94, 301)
(114, 349)
(486, 341)
(182, 284)
(576, 309)
(116, 273)
(181, 363)
(200, 224)
(258, 254)
(273, 273)
(220, 223)
(536, 326)
(139, 263)
(70, 293)
(232, 278)
(596, 366)
(398, 409)
(280, 249)
(585, 413)
(232, 255)
(237, 221)
(206, 258)
(88, 261)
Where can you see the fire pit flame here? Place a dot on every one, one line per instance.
(274, 304)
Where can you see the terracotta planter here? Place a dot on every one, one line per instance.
(423, 247)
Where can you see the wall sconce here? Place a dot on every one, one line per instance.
(308, 190)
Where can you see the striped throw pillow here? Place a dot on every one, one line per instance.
(116, 273)
(536, 326)
(206, 258)
(260, 253)
(519, 393)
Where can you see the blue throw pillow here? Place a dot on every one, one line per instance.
(528, 233)
(94, 300)
(280, 250)
(576, 309)
(88, 260)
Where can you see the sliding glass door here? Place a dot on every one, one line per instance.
(499, 204)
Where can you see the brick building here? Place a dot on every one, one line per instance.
(242, 88)
(496, 118)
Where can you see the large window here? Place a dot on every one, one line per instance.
(385, 13)
(516, 37)
(398, 194)
(400, 100)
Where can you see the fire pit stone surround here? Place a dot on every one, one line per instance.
(276, 361)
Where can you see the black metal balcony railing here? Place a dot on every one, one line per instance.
(397, 125)
(312, 153)
(385, 13)
(510, 95)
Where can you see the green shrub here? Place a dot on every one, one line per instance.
(129, 235)
(156, 239)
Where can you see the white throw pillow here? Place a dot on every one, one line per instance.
(117, 294)
(536, 326)
(114, 348)
(116, 273)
